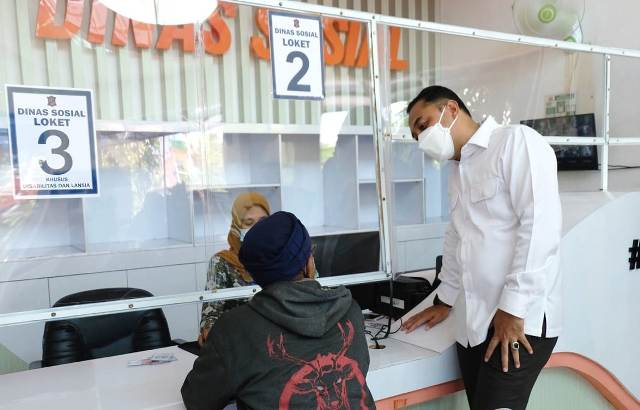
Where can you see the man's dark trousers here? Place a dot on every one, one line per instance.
(488, 387)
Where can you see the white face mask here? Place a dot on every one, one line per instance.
(243, 233)
(436, 141)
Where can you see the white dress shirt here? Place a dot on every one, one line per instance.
(501, 246)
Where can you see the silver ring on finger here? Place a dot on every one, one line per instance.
(515, 345)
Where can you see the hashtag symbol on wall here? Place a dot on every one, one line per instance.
(634, 260)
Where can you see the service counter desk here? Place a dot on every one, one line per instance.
(109, 384)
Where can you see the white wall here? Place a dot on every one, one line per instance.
(594, 265)
(513, 80)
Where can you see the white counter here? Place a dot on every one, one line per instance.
(108, 384)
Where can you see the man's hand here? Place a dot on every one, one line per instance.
(204, 333)
(507, 329)
(430, 317)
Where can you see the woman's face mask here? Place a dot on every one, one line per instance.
(436, 141)
(251, 217)
(243, 233)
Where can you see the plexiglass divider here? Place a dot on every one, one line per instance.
(186, 122)
(182, 132)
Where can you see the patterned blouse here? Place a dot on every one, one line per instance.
(220, 275)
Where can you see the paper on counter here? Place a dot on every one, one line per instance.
(439, 338)
(429, 275)
(157, 358)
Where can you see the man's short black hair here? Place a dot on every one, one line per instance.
(435, 94)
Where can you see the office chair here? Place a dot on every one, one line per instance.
(73, 340)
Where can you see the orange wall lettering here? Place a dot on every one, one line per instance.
(182, 33)
(97, 23)
(217, 40)
(351, 45)
(363, 56)
(396, 63)
(260, 45)
(345, 42)
(333, 47)
(142, 32)
(45, 21)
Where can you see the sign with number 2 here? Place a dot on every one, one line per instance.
(53, 142)
(296, 56)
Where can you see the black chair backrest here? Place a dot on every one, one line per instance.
(73, 340)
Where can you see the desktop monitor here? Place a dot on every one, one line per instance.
(570, 157)
(350, 253)
(347, 253)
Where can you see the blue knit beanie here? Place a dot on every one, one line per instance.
(275, 249)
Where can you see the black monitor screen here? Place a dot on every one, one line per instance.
(570, 157)
(347, 253)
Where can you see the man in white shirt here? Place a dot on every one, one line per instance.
(500, 262)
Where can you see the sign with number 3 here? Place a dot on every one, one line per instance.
(53, 142)
(297, 57)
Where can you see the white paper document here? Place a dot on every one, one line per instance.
(157, 358)
(439, 338)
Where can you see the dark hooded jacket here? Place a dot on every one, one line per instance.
(295, 345)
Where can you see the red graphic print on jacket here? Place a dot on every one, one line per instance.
(325, 376)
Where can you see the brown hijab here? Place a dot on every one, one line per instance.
(241, 205)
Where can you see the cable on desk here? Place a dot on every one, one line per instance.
(387, 328)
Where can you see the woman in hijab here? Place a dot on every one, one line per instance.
(225, 269)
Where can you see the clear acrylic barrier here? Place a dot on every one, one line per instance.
(624, 168)
(138, 232)
(144, 103)
(557, 92)
(624, 148)
(186, 121)
(182, 131)
(312, 158)
(76, 340)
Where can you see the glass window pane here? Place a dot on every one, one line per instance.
(558, 93)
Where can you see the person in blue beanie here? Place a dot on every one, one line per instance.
(295, 345)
